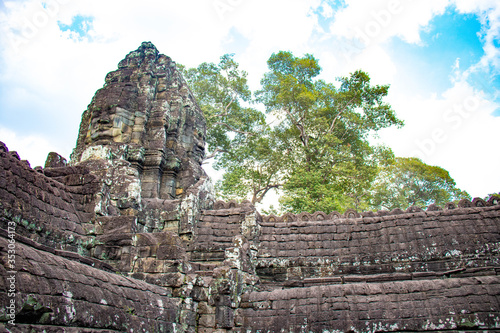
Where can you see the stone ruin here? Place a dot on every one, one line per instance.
(127, 237)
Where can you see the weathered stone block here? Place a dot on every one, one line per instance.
(200, 294)
(207, 321)
(170, 252)
(224, 317)
(204, 308)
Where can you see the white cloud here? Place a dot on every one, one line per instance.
(271, 26)
(454, 131)
(326, 10)
(30, 147)
(359, 32)
(488, 13)
(376, 21)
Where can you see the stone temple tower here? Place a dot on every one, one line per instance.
(144, 134)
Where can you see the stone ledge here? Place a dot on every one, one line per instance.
(493, 203)
(65, 254)
(64, 292)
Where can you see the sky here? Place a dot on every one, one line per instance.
(441, 59)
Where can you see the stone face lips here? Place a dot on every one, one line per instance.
(146, 123)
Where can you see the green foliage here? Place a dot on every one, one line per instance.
(237, 135)
(496, 195)
(272, 210)
(314, 143)
(409, 182)
(329, 162)
(223, 95)
(336, 188)
(129, 310)
(251, 170)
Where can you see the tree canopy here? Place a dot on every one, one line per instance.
(313, 141)
(411, 182)
(329, 161)
(223, 95)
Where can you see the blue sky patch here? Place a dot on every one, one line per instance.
(236, 43)
(80, 25)
(450, 36)
(324, 21)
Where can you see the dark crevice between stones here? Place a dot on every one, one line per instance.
(33, 312)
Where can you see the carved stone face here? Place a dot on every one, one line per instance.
(114, 124)
(146, 115)
(101, 127)
(198, 149)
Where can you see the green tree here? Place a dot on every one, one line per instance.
(237, 135)
(411, 182)
(252, 170)
(315, 148)
(329, 162)
(224, 97)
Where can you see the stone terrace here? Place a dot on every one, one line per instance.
(405, 243)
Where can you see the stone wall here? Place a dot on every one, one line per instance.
(52, 211)
(410, 306)
(114, 246)
(406, 242)
(54, 292)
(415, 271)
(216, 230)
(400, 271)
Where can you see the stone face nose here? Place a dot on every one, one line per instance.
(105, 119)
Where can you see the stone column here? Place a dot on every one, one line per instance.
(152, 174)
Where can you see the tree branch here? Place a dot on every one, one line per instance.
(338, 115)
(300, 127)
(229, 104)
(214, 153)
(263, 191)
(233, 129)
